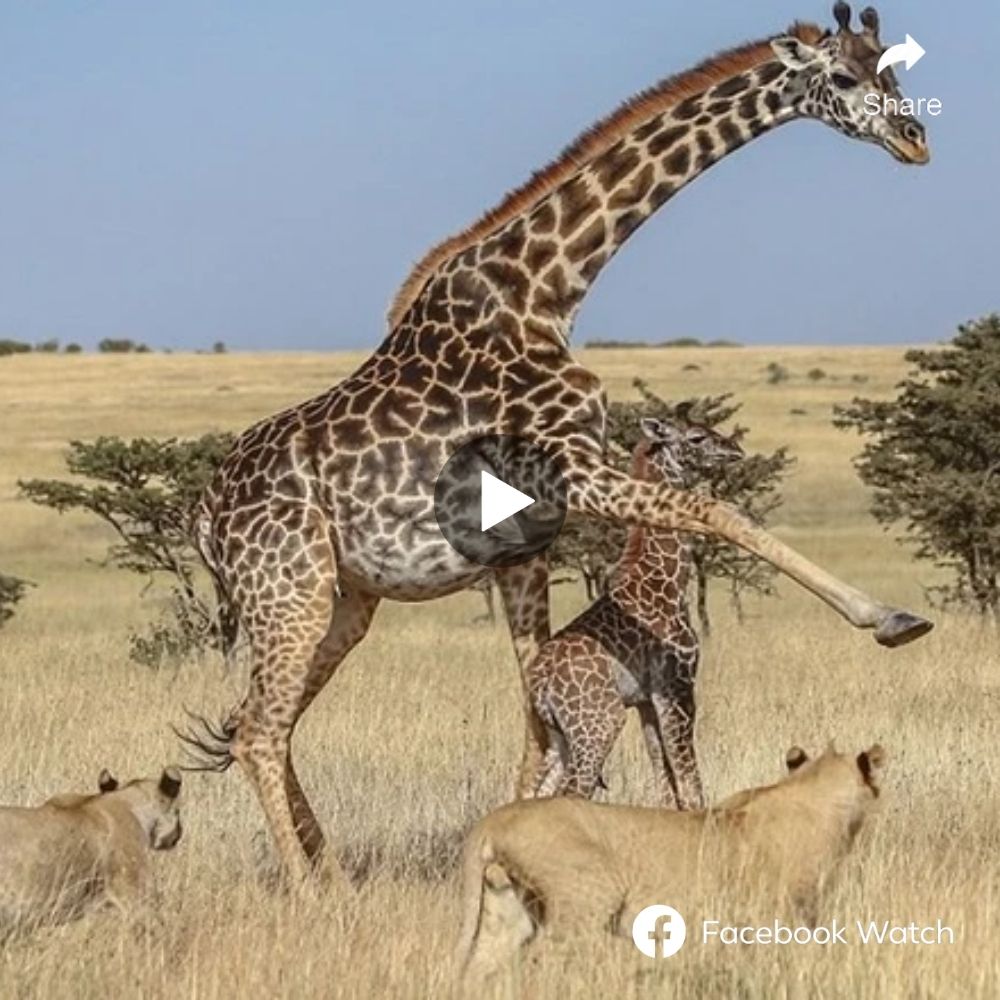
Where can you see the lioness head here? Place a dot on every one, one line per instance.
(155, 804)
(848, 781)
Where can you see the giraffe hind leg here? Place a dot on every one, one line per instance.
(286, 606)
(352, 618)
(593, 737)
(676, 717)
(662, 772)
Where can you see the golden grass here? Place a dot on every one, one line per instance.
(419, 734)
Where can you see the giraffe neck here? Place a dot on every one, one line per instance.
(534, 257)
(572, 233)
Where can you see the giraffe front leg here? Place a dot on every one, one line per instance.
(524, 590)
(596, 488)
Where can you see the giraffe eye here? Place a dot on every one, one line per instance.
(843, 81)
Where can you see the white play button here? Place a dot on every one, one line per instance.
(498, 501)
(482, 515)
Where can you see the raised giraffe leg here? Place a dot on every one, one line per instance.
(524, 590)
(596, 488)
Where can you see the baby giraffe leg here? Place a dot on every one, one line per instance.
(675, 714)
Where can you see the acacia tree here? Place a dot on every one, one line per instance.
(144, 490)
(591, 547)
(933, 460)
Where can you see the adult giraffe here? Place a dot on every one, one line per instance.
(321, 511)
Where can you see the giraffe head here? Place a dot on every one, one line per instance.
(834, 81)
(681, 451)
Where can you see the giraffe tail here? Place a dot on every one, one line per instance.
(227, 624)
(208, 745)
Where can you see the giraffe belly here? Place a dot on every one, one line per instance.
(419, 572)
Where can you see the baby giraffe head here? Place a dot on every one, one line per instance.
(834, 80)
(683, 451)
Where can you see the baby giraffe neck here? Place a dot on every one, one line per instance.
(660, 559)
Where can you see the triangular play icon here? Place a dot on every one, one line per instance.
(498, 501)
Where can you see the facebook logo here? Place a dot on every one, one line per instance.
(659, 931)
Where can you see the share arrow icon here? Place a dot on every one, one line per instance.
(909, 52)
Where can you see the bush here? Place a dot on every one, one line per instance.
(48, 347)
(73, 349)
(111, 345)
(13, 347)
(816, 374)
(931, 458)
(777, 373)
(682, 342)
(144, 490)
(614, 345)
(12, 590)
(219, 347)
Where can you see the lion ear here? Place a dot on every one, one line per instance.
(170, 782)
(795, 758)
(871, 761)
(106, 781)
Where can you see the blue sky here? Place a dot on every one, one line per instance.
(265, 173)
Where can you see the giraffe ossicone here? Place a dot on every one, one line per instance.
(322, 510)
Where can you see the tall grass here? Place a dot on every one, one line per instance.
(419, 733)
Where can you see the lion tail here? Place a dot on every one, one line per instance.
(477, 862)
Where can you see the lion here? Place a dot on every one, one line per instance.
(75, 851)
(562, 864)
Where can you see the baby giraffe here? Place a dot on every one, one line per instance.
(634, 647)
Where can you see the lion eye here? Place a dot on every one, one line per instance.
(843, 81)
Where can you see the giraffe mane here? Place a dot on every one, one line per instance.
(591, 143)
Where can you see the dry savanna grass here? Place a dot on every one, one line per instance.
(419, 734)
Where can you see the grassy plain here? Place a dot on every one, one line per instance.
(419, 733)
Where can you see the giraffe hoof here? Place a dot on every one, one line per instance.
(900, 627)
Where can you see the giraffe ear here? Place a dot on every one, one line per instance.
(652, 428)
(659, 430)
(795, 54)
